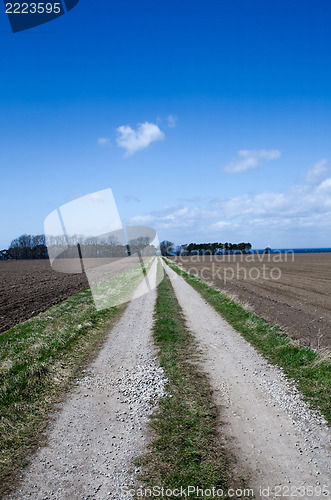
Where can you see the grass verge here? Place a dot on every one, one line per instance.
(118, 289)
(310, 370)
(186, 449)
(38, 360)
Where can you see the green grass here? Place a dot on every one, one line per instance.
(186, 449)
(38, 360)
(118, 289)
(310, 370)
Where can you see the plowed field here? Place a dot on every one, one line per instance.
(294, 293)
(28, 287)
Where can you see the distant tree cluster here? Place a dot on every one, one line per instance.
(26, 246)
(168, 248)
(34, 247)
(107, 246)
(217, 248)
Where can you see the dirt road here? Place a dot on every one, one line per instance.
(102, 425)
(279, 444)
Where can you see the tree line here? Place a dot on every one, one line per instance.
(35, 247)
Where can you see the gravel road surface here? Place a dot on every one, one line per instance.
(102, 424)
(278, 442)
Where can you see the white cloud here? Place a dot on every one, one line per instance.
(135, 140)
(175, 217)
(317, 173)
(104, 141)
(221, 224)
(98, 197)
(325, 186)
(299, 201)
(172, 121)
(249, 159)
(300, 216)
(142, 219)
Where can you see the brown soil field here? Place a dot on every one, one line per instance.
(292, 291)
(28, 287)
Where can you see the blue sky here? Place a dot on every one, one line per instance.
(210, 121)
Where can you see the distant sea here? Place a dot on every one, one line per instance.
(295, 250)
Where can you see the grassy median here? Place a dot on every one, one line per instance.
(310, 370)
(38, 360)
(186, 448)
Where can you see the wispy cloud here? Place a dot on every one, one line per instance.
(298, 216)
(250, 159)
(99, 197)
(172, 121)
(135, 140)
(325, 187)
(172, 217)
(317, 173)
(221, 224)
(104, 142)
(131, 197)
(195, 199)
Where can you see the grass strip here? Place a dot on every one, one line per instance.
(186, 449)
(38, 360)
(310, 370)
(119, 288)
